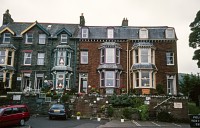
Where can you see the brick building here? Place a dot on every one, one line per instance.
(107, 59)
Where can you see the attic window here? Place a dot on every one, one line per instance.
(6, 38)
(63, 38)
(110, 33)
(169, 33)
(84, 33)
(143, 33)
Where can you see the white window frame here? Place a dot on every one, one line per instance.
(118, 56)
(146, 55)
(139, 80)
(169, 33)
(109, 79)
(6, 38)
(40, 59)
(143, 33)
(84, 57)
(42, 38)
(110, 55)
(29, 36)
(84, 32)
(27, 55)
(170, 58)
(110, 33)
(2, 57)
(64, 38)
(102, 60)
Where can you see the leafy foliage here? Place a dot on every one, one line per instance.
(194, 37)
(144, 114)
(190, 86)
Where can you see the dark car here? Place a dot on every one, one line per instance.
(13, 115)
(59, 110)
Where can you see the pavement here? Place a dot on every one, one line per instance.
(117, 124)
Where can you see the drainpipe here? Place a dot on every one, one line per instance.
(127, 65)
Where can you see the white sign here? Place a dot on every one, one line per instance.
(16, 97)
(178, 105)
(148, 98)
(19, 78)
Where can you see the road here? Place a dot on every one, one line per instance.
(44, 122)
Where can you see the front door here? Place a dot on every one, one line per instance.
(83, 82)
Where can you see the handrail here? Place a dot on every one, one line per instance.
(162, 102)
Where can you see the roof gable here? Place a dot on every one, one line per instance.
(63, 30)
(35, 24)
(8, 29)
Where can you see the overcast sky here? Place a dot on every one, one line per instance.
(173, 13)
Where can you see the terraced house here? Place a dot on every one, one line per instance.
(104, 59)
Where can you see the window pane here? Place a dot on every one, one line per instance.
(144, 55)
(42, 38)
(6, 38)
(2, 57)
(170, 58)
(84, 57)
(40, 59)
(110, 57)
(64, 38)
(145, 79)
(84, 33)
(110, 78)
(27, 58)
(61, 57)
(29, 38)
(110, 33)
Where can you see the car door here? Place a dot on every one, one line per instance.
(6, 117)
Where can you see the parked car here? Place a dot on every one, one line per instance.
(13, 115)
(59, 110)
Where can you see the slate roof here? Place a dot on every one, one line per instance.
(18, 27)
(125, 32)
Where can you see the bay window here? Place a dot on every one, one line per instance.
(2, 56)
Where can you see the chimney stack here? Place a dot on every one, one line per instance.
(82, 20)
(125, 22)
(7, 18)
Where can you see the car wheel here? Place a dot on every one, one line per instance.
(50, 117)
(22, 122)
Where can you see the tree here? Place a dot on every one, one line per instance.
(194, 37)
(190, 86)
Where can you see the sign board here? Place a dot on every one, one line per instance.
(145, 91)
(195, 120)
(178, 105)
(19, 78)
(16, 97)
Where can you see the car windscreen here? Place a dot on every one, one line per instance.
(58, 106)
(1, 110)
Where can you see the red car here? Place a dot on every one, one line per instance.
(13, 115)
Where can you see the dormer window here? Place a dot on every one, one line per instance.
(29, 38)
(63, 38)
(6, 38)
(169, 33)
(110, 33)
(143, 33)
(84, 33)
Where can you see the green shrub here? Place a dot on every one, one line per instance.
(193, 109)
(143, 112)
(110, 111)
(165, 116)
(127, 113)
